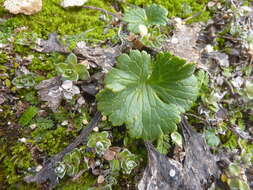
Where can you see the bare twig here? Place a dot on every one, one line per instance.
(238, 132)
(47, 173)
(190, 17)
(102, 10)
(230, 87)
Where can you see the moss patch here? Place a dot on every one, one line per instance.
(53, 18)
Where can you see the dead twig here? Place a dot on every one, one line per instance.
(193, 16)
(238, 132)
(47, 173)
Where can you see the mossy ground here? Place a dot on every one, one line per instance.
(54, 18)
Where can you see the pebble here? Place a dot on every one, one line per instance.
(27, 7)
(64, 123)
(72, 3)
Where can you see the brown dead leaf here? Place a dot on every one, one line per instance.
(115, 148)
(91, 163)
(109, 155)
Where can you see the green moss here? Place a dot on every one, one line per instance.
(6, 115)
(15, 161)
(53, 18)
(27, 115)
(84, 182)
(52, 141)
(45, 64)
(229, 140)
(179, 8)
(3, 57)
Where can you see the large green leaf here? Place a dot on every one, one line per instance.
(151, 15)
(148, 96)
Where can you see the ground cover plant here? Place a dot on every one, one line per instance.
(118, 94)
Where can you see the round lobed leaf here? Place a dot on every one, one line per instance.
(148, 96)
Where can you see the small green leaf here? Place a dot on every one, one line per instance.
(154, 39)
(99, 141)
(234, 169)
(72, 161)
(81, 71)
(67, 71)
(115, 167)
(211, 138)
(177, 138)
(127, 161)
(71, 70)
(70, 74)
(243, 185)
(151, 15)
(233, 183)
(28, 115)
(148, 96)
(156, 15)
(24, 81)
(249, 89)
(60, 169)
(71, 59)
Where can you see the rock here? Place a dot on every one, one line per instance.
(102, 57)
(221, 59)
(72, 3)
(198, 170)
(27, 7)
(49, 91)
(50, 45)
(69, 90)
(183, 43)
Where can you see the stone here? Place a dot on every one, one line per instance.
(27, 7)
(72, 3)
(183, 43)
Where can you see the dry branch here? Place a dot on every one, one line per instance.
(47, 173)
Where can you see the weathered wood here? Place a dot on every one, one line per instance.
(198, 171)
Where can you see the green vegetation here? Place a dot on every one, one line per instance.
(71, 70)
(53, 18)
(156, 92)
(179, 8)
(28, 115)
